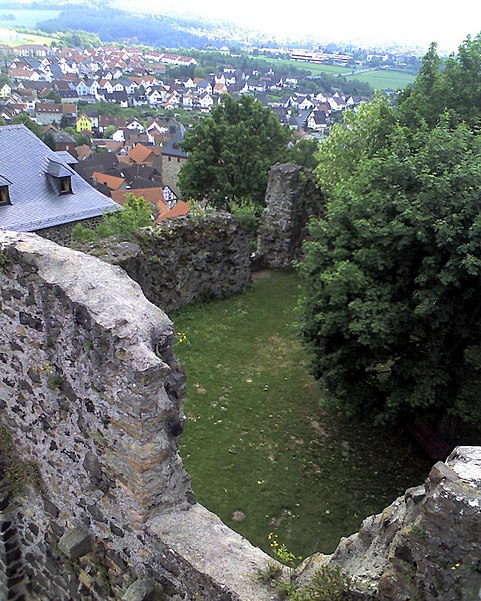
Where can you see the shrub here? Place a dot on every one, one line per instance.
(122, 224)
(248, 215)
(326, 584)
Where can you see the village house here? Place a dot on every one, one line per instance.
(46, 113)
(40, 189)
(83, 123)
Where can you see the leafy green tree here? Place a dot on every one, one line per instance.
(452, 86)
(49, 140)
(64, 122)
(360, 135)
(55, 96)
(231, 151)
(24, 119)
(122, 224)
(303, 153)
(392, 310)
(109, 130)
(81, 138)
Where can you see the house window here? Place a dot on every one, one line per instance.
(65, 185)
(4, 195)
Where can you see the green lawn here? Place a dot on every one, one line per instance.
(385, 79)
(379, 79)
(258, 442)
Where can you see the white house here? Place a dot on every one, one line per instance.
(5, 91)
(135, 124)
(317, 121)
(205, 101)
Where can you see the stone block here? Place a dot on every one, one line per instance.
(76, 543)
(141, 590)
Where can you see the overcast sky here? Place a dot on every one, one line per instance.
(408, 22)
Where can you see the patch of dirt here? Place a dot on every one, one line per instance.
(238, 516)
(318, 429)
(263, 274)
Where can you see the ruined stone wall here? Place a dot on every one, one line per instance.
(95, 504)
(426, 546)
(291, 200)
(184, 260)
(91, 395)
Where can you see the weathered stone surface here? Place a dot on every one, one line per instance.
(291, 200)
(183, 260)
(100, 419)
(211, 548)
(426, 545)
(141, 590)
(76, 543)
(94, 361)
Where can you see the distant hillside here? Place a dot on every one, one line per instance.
(114, 25)
(130, 24)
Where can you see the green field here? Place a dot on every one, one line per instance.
(257, 440)
(313, 69)
(379, 79)
(15, 38)
(385, 79)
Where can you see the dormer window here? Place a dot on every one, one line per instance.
(4, 191)
(65, 185)
(4, 195)
(61, 175)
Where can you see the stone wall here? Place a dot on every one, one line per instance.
(91, 394)
(95, 504)
(426, 546)
(62, 234)
(183, 260)
(291, 200)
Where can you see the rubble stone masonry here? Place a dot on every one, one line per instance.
(91, 394)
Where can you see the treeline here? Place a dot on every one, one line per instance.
(117, 26)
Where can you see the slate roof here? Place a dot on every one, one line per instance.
(34, 195)
(66, 157)
(173, 146)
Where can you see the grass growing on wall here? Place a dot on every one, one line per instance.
(257, 444)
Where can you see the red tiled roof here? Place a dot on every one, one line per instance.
(111, 181)
(139, 153)
(180, 209)
(154, 196)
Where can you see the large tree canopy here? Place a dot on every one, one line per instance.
(231, 151)
(392, 309)
(452, 86)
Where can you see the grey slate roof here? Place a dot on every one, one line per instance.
(173, 146)
(34, 194)
(66, 157)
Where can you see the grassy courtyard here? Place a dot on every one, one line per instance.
(262, 451)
